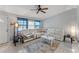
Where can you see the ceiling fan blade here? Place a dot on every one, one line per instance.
(37, 11)
(44, 9)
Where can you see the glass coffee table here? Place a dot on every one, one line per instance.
(50, 38)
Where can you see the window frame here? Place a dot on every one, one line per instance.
(37, 26)
(21, 22)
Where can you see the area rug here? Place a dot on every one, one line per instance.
(40, 46)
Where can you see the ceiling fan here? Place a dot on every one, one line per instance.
(40, 9)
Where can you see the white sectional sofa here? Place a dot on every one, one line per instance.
(31, 34)
(56, 33)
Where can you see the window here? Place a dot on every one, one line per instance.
(23, 24)
(37, 24)
(30, 24)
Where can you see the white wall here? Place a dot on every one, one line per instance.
(3, 32)
(78, 23)
(6, 30)
(63, 21)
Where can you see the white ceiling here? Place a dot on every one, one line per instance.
(26, 10)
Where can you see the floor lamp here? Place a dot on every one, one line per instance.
(15, 25)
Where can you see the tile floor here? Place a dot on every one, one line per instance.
(63, 47)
